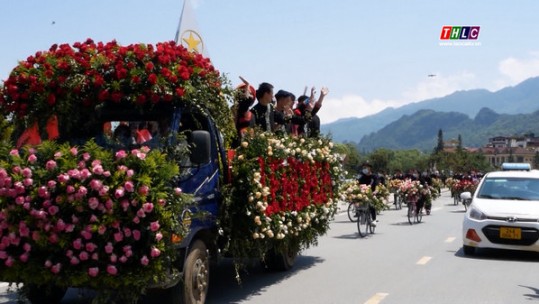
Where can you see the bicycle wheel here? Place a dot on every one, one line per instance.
(362, 223)
(352, 212)
(411, 212)
(419, 215)
(399, 202)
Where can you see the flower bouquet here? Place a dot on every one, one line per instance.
(410, 190)
(394, 185)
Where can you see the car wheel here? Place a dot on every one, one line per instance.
(468, 250)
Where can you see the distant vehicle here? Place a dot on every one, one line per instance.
(504, 212)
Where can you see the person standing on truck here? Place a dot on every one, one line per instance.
(313, 127)
(242, 116)
(263, 111)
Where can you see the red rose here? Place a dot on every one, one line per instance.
(149, 66)
(152, 78)
(51, 100)
(180, 91)
(141, 99)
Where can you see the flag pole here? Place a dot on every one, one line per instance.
(177, 37)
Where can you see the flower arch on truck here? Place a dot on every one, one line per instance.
(68, 83)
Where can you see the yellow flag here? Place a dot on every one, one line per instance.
(188, 33)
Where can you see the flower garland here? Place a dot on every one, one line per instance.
(72, 81)
(84, 217)
(283, 195)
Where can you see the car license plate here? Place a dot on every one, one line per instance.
(510, 233)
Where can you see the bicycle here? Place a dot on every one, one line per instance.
(352, 213)
(364, 221)
(415, 212)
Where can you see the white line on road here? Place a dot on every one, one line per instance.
(450, 239)
(424, 260)
(377, 298)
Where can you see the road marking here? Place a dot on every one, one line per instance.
(424, 260)
(377, 298)
(450, 239)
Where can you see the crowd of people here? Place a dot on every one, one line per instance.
(279, 113)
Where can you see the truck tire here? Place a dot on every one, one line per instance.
(281, 261)
(196, 273)
(44, 294)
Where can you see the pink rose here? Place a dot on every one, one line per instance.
(27, 247)
(69, 254)
(28, 182)
(141, 213)
(154, 252)
(83, 256)
(147, 207)
(57, 155)
(177, 190)
(27, 172)
(14, 152)
(74, 151)
(95, 256)
(136, 234)
(53, 238)
(97, 169)
(51, 184)
(85, 174)
(118, 236)
(96, 184)
(93, 271)
(24, 257)
(129, 186)
(43, 192)
(56, 268)
(90, 247)
(109, 204)
(121, 154)
(74, 261)
(93, 202)
(106, 173)
(158, 236)
(127, 232)
(86, 156)
(109, 248)
(143, 190)
(101, 230)
(123, 259)
(77, 244)
(9, 261)
(53, 210)
(119, 192)
(60, 225)
(3, 255)
(113, 258)
(48, 264)
(70, 189)
(111, 269)
(154, 226)
(32, 158)
(144, 261)
(136, 220)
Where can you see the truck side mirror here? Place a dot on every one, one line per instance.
(200, 147)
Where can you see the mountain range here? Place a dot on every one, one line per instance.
(410, 126)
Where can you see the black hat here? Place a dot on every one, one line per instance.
(282, 94)
(366, 164)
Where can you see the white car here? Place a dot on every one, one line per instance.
(504, 212)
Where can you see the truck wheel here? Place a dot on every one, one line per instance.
(196, 274)
(44, 294)
(282, 261)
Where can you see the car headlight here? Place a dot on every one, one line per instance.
(477, 215)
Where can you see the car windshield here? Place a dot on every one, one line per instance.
(509, 188)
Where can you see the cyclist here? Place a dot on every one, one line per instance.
(367, 178)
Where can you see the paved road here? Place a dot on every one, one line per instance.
(400, 263)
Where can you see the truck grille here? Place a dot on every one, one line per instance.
(529, 236)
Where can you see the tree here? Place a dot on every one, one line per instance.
(459, 147)
(440, 146)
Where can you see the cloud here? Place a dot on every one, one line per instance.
(432, 87)
(352, 106)
(515, 70)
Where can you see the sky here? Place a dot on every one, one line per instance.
(369, 54)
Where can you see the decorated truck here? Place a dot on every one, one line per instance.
(119, 176)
